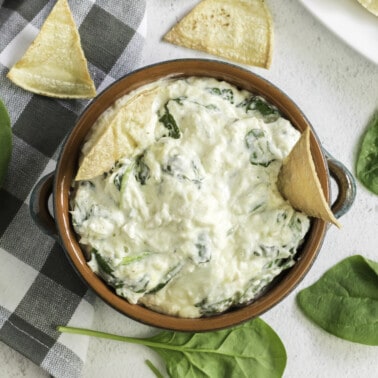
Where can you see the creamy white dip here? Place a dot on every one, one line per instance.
(194, 223)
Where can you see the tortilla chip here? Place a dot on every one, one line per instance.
(370, 5)
(54, 65)
(126, 135)
(238, 30)
(298, 182)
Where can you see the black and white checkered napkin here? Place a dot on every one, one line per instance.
(38, 287)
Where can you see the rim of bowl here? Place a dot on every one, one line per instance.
(67, 166)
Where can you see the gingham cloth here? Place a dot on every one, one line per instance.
(38, 288)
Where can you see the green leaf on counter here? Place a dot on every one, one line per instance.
(5, 141)
(250, 349)
(367, 161)
(344, 301)
(154, 369)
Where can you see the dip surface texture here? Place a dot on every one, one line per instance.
(192, 223)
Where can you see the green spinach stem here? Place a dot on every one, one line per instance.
(126, 339)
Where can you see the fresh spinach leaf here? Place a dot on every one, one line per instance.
(344, 301)
(251, 349)
(5, 141)
(154, 369)
(367, 161)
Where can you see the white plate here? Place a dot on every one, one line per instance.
(349, 20)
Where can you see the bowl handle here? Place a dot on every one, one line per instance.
(39, 208)
(346, 186)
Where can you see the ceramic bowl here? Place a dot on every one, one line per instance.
(58, 185)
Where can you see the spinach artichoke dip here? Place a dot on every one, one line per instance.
(191, 222)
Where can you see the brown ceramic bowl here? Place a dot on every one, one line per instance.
(59, 183)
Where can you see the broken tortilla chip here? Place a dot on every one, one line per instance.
(370, 5)
(238, 30)
(128, 132)
(54, 65)
(298, 182)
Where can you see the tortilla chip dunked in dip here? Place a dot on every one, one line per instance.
(188, 219)
(299, 184)
(126, 133)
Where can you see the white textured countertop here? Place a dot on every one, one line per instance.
(337, 89)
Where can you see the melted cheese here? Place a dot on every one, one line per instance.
(194, 223)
